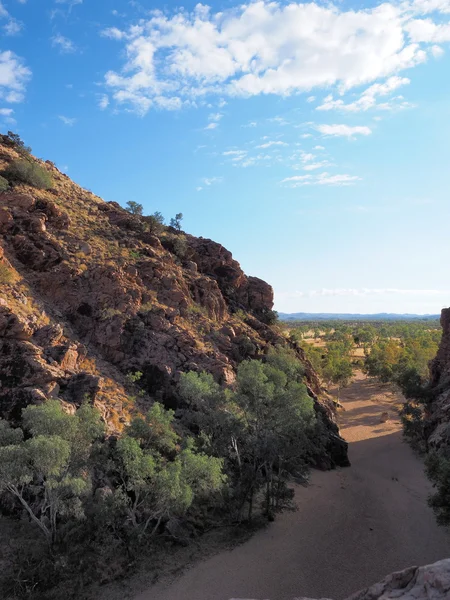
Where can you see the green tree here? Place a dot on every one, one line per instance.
(155, 223)
(157, 479)
(49, 472)
(175, 222)
(134, 208)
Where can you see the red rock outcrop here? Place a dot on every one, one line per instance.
(118, 299)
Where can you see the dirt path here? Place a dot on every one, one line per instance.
(353, 525)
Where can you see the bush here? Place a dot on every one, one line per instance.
(438, 470)
(155, 223)
(6, 274)
(26, 171)
(4, 184)
(412, 420)
(134, 208)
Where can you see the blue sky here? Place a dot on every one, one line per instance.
(312, 140)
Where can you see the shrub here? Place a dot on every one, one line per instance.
(26, 171)
(267, 316)
(413, 427)
(4, 184)
(155, 223)
(6, 274)
(134, 208)
(438, 470)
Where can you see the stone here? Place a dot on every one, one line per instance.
(431, 582)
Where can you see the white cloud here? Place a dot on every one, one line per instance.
(13, 27)
(320, 179)
(425, 30)
(269, 47)
(272, 143)
(368, 98)
(14, 76)
(212, 125)
(215, 117)
(65, 45)
(318, 148)
(113, 33)
(6, 114)
(103, 101)
(67, 120)
(315, 166)
(310, 99)
(343, 130)
(211, 180)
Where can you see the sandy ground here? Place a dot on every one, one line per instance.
(353, 526)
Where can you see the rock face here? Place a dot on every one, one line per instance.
(437, 417)
(431, 582)
(97, 296)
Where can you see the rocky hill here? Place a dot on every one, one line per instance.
(89, 296)
(437, 418)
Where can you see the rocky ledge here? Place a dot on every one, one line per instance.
(431, 582)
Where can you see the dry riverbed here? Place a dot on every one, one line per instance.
(352, 527)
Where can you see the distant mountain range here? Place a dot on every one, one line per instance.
(354, 317)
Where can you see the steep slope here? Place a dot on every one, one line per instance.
(437, 424)
(89, 296)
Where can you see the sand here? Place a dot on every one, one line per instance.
(353, 526)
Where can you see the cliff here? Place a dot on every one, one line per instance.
(89, 296)
(437, 415)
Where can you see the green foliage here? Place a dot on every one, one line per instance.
(134, 208)
(14, 140)
(134, 377)
(155, 223)
(180, 247)
(267, 316)
(157, 480)
(4, 184)
(175, 222)
(155, 431)
(438, 470)
(412, 414)
(7, 275)
(94, 499)
(263, 429)
(52, 466)
(30, 172)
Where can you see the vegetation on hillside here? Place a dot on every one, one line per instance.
(229, 453)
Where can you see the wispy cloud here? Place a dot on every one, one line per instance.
(64, 45)
(211, 180)
(343, 130)
(320, 179)
(103, 101)
(67, 120)
(6, 114)
(272, 143)
(12, 27)
(368, 98)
